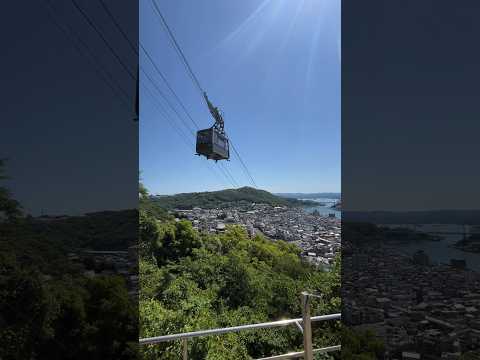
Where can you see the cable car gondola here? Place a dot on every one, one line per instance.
(213, 142)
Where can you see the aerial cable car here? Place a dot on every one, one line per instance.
(213, 142)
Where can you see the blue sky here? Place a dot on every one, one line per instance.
(272, 67)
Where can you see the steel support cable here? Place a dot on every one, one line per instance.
(194, 78)
(192, 75)
(225, 169)
(169, 86)
(247, 172)
(180, 132)
(177, 47)
(214, 170)
(218, 171)
(167, 101)
(104, 74)
(105, 41)
(164, 114)
(227, 174)
(118, 26)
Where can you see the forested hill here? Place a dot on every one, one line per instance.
(224, 199)
(104, 230)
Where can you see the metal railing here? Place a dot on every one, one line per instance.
(304, 324)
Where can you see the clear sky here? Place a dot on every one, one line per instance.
(272, 67)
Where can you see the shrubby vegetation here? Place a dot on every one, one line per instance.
(191, 281)
(64, 318)
(361, 345)
(149, 207)
(48, 309)
(105, 230)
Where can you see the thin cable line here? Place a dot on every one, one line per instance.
(179, 50)
(106, 76)
(225, 172)
(243, 164)
(180, 132)
(167, 101)
(117, 25)
(105, 41)
(195, 79)
(225, 169)
(162, 112)
(192, 75)
(168, 85)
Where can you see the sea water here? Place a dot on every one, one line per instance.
(325, 207)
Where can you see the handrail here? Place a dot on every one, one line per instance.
(187, 335)
(295, 355)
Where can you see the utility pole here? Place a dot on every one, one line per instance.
(307, 327)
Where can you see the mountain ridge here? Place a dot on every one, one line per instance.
(225, 198)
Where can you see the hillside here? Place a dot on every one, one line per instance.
(193, 281)
(105, 230)
(224, 199)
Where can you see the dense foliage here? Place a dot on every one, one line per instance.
(149, 207)
(9, 208)
(191, 281)
(361, 345)
(70, 317)
(224, 199)
(48, 309)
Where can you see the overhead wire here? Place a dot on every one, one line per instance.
(118, 26)
(177, 47)
(195, 80)
(105, 41)
(168, 85)
(243, 164)
(99, 68)
(223, 169)
(180, 132)
(166, 99)
(69, 32)
(164, 114)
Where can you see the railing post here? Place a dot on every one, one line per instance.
(307, 327)
(185, 349)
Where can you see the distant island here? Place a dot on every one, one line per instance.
(226, 198)
(470, 244)
(361, 233)
(337, 206)
(310, 195)
(470, 217)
